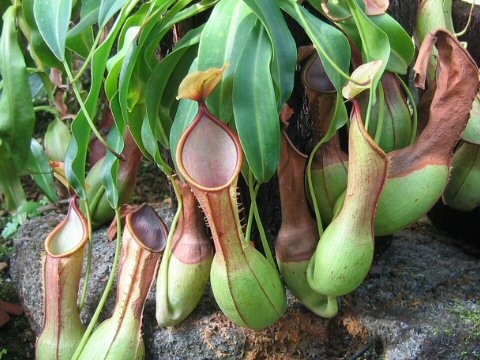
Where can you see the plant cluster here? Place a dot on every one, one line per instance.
(216, 101)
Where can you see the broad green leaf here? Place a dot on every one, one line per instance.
(52, 18)
(375, 44)
(114, 64)
(332, 46)
(284, 48)
(17, 118)
(161, 87)
(111, 163)
(108, 8)
(132, 66)
(186, 114)
(75, 161)
(10, 185)
(254, 106)
(223, 40)
(402, 49)
(39, 50)
(40, 170)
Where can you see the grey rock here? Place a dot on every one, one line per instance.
(420, 301)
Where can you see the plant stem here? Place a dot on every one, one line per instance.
(106, 292)
(253, 189)
(46, 108)
(89, 256)
(316, 210)
(462, 32)
(414, 107)
(87, 115)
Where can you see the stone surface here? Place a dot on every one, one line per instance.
(421, 300)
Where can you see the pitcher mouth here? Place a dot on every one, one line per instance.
(53, 243)
(147, 228)
(211, 170)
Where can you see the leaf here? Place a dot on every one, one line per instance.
(332, 46)
(222, 42)
(39, 49)
(75, 160)
(88, 16)
(39, 167)
(17, 118)
(108, 8)
(402, 48)
(10, 185)
(111, 163)
(162, 85)
(375, 44)
(52, 18)
(186, 113)
(254, 106)
(284, 48)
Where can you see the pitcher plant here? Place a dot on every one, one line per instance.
(62, 269)
(185, 268)
(246, 286)
(298, 235)
(120, 337)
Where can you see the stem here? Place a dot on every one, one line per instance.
(106, 292)
(310, 187)
(89, 57)
(253, 196)
(46, 108)
(253, 189)
(462, 32)
(168, 247)
(371, 97)
(87, 115)
(414, 106)
(381, 114)
(89, 256)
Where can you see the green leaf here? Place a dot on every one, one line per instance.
(186, 114)
(10, 185)
(111, 163)
(38, 48)
(284, 48)
(39, 167)
(75, 160)
(402, 49)
(161, 88)
(17, 118)
(223, 39)
(332, 46)
(88, 16)
(108, 8)
(375, 44)
(52, 18)
(255, 108)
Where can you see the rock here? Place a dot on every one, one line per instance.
(419, 301)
